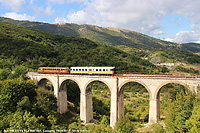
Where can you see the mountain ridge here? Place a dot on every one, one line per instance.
(105, 35)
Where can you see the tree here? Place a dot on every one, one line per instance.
(179, 111)
(124, 125)
(4, 74)
(157, 128)
(46, 103)
(19, 71)
(105, 120)
(25, 104)
(25, 120)
(193, 123)
(12, 91)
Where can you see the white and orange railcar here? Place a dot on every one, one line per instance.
(93, 70)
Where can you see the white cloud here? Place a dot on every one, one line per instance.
(69, 1)
(139, 15)
(185, 37)
(49, 11)
(43, 12)
(16, 16)
(79, 17)
(15, 5)
(57, 1)
(60, 20)
(135, 15)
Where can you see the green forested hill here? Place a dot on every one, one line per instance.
(110, 36)
(184, 61)
(35, 48)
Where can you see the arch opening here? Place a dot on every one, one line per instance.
(98, 99)
(69, 97)
(178, 105)
(46, 100)
(133, 101)
(45, 83)
(167, 94)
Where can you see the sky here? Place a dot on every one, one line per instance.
(170, 20)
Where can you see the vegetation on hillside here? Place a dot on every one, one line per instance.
(184, 61)
(109, 36)
(34, 48)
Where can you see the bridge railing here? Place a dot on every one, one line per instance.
(136, 75)
(159, 76)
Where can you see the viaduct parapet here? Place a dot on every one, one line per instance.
(153, 84)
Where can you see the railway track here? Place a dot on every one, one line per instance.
(134, 75)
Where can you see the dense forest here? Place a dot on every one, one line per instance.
(24, 106)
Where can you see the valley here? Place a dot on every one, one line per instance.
(25, 46)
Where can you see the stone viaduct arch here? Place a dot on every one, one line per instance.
(157, 93)
(40, 81)
(137, 81)
(169, 82)
(89, 83)
(86, 96)
(115, 83)
(62, 94)
(121, 94)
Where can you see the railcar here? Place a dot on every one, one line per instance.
(93, 70)
(54, 70)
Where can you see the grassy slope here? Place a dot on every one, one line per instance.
(111, 36)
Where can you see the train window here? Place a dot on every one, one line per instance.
(99, 69)
(82, 69)
(111, 69)
(103, 69)
(106, 69)
(96, 69)
(85, 69)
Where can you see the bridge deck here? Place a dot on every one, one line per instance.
(156, 76)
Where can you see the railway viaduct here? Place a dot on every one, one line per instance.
(153, 84)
